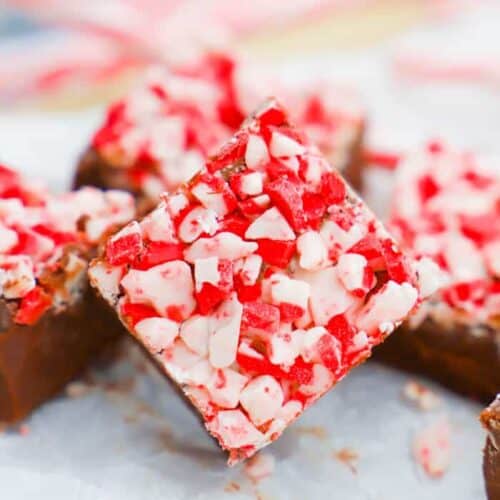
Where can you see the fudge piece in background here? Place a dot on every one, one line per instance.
(260, 284)
(159, 136)
(446, 206)
(51, 322)
(490, 419)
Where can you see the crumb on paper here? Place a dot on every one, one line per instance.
(77, 389)
(348, 457)
(232, 487)
(432, 448)
(259, 467)
(23, 430)
(421, 396)
(316, 431)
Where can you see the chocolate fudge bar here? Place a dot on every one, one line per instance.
(447, 207)
(260, 284)
(159, 136)
(490, 419)
(51, 322)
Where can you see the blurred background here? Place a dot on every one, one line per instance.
(430, 65)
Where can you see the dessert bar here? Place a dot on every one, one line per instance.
(447, 207)
(259, 284)
(51, 322)
(158, 137)
(490, 419)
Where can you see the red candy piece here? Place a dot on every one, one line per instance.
(32, 306)
(247, 293)
(290, 312)
(276, 170)
(301, 372)
(124, 250)
(328, 349)
(273, 116)
(212, 295)
(286, 197)
(332, 188)
(58, 237)
(259, 365)
(158, 252)
(276, 253)
(235, 224)
(368, 247)
(230, 152)
(427, 188)
(137, 312)
(395, 262)
(340, 328)
(260, 316)
(481, 228)
(314, 209)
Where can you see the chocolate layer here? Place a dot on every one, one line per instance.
(37, 361)
(490, 419)
(463, 358)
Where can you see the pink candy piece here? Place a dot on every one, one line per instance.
(273, 308)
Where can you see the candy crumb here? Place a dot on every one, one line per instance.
(24, 430)
(314, 431)
(420, 396)
(259, 467)
(232, 487)
(432, 448)
(77, 389)
(348, 457)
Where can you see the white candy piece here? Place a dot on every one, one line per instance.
(251, 269)
(194, 332)
(107, 279)
(158, 225)
(252, 184)
(234, 430)
(157, 333)
(285, 346)
(289, 291)
(328, 296)
(491, 253)
(312, 251)
(390, 305)
(8, 238)
(166, 286)
(209, 199)
(225, 387)
(224, 327)
(430, 276)
(262, 398)
(351, 269)
(206, 271)
(224, 245)
(270, 225)
(199, 220)
(256, 153)
(281, 145)
(337, 240)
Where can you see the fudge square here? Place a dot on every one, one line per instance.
(159, 135)
(447, 207)
(490, 418)
(260, 284)
(51, 321)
